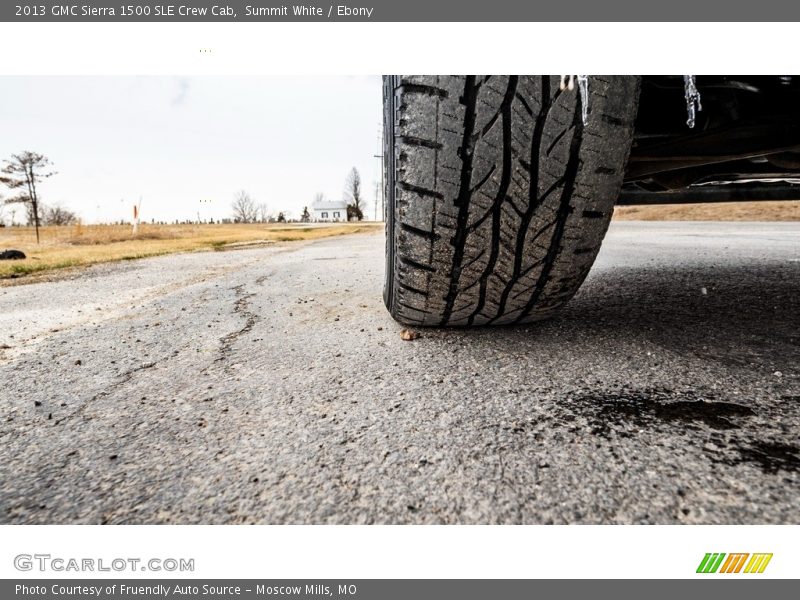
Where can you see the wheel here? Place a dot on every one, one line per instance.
(498, 194)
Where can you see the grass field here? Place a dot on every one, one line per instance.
(81, 245)
(723, 211)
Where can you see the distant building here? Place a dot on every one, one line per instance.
(329, 211)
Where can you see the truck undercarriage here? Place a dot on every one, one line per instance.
(745, 143)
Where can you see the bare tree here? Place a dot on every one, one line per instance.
(244, 208)
(319, 197)
(58, 215)
(352, 190)
(263, 212)
(22, 172)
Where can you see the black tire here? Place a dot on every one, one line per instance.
(498, 195)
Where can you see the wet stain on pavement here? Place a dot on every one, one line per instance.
(624, 413)
(770, 457)
(617, 411)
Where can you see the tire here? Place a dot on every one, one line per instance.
(498, 195)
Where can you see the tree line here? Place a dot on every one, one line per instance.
(22, 173)
(245, 209)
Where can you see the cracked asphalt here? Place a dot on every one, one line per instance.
(270, 385)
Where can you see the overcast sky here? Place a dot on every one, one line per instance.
(175, 141)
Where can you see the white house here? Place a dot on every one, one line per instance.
(329, 211)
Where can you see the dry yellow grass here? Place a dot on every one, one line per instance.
(81, 245)
(723, 211)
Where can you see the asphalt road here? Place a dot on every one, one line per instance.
(270, 385)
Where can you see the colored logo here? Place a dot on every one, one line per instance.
(719, 562)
